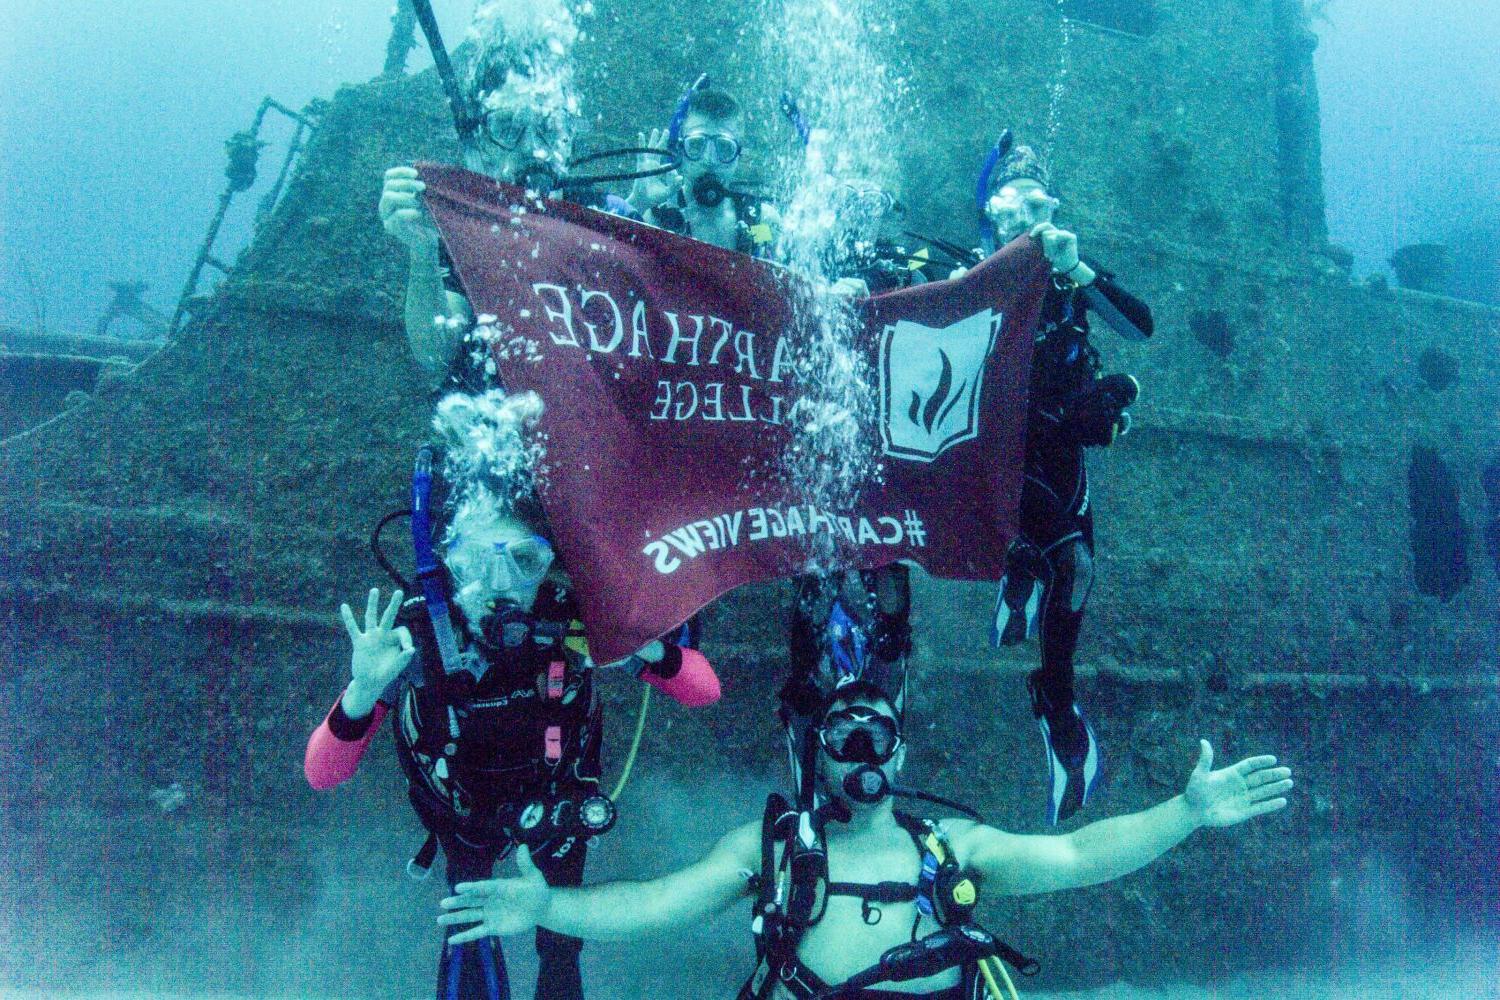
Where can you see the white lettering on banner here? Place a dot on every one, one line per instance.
(724, 531)
(563, 311)
(667, 336)
(593, 328)
(638, 333)
(682, 340)
(681, 401)
(670, 358)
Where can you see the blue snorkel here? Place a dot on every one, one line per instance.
(429, 570)
(987, 236)
(674, 127)
(794, 115)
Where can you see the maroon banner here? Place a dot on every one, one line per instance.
(667, 370)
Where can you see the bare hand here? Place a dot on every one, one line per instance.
(648, 192)
(1253, 787)
(401, 210)
(380, 651)
(1059, 246)
(498, 906)
(852, 288)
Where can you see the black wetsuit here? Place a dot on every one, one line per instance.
(1056, 544)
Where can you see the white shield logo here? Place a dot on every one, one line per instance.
(930, 384)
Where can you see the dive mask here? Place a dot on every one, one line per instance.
(1014, 210)
(500, 566)
(507, 128)
(713, 147)
(859, 735)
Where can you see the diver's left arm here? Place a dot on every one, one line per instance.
(1061, 250)
(1108, 849)
(680, 672)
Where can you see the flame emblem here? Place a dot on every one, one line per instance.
(928, 416)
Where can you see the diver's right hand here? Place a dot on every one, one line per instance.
(380, 652)
(850, 288)
(498, 906)
(648, 192)
(401, 210)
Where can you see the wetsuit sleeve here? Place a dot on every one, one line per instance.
(337, 746)
(1133, 308)
(685, 675)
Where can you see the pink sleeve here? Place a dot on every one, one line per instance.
(695, 684)
(329, 760)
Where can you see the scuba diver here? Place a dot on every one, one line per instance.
(497, 725)
(524, 113)
(1050, 566)
(706, 133)
(855, 893)
(517, 116)
(854, 624)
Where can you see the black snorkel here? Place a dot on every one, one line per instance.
(468, 120)
(466, 117)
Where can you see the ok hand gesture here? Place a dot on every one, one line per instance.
(380, 652)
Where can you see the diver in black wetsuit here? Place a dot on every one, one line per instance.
(1049, 570)
(490, 686)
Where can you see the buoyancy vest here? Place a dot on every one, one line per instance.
(792, 893)
(480, 753)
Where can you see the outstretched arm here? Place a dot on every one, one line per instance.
(1106, 850)
(613, 910)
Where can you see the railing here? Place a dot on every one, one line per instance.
(243, 152)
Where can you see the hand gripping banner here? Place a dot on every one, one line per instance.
(670, 376)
